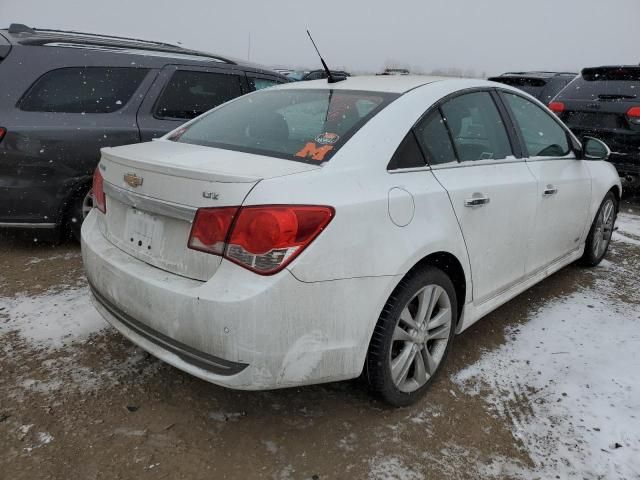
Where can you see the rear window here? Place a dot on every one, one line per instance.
(619, 83)
(304, 125)
(533, 86)
(83, 90)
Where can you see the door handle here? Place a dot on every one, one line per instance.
(478, 199)
(550, 190)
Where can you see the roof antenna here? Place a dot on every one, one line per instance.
(330, 78)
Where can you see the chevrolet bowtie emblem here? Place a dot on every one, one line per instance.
(133, 180)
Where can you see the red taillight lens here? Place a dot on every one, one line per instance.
(99, 199)
(3, 132)
(210, 229)
(633, 114)
(556, 107)
(263, 239)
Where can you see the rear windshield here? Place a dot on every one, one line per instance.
(533, 86)
(305, 125)
(620, 83)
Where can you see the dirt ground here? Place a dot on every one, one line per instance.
(101, 408)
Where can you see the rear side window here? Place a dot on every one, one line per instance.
(295, 124)
(533, 86)
(604, 83)
(83, 90)
(543, 136)
(408, 154)
(476, 127)
(190, 93)
(434, 139)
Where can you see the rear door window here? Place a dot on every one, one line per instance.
(83, 90)
(476, 127)
(191, 93)
(296, 124)
(542, 135)
(435, 140)
(408, 154)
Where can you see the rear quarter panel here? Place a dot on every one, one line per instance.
(362, 240)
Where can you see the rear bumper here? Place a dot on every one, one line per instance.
(238, 330)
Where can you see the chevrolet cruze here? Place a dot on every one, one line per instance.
(319, 231)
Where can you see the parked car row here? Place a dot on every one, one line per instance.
(310, 232)
(602, 102)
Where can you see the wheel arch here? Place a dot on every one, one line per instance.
(73, 191)
(449, 264)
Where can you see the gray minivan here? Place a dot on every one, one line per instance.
(66, 94)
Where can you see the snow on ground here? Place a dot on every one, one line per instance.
(56, 325)
(52, 319)
(629, 224)
(628, 229)
(567, 381)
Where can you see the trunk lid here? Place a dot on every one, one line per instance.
(154, 189)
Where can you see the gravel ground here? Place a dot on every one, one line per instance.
(544, 387)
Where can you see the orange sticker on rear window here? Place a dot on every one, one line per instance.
(314, 151)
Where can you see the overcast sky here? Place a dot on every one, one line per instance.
(489, 36)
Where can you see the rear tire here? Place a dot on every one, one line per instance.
(412, 337)
(80, 207)
(600, 233)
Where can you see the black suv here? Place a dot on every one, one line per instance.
(542, 85)
(66, 94)
(604, 102)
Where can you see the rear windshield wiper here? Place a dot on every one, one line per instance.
(614, 96)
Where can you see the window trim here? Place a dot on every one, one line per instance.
(31, 87)
(244, 89)
(574, 148)
(514, 141)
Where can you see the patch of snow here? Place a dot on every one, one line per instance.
(567, 383)
(271, 446)
(392, 468)
(51, 319)
(629, 223)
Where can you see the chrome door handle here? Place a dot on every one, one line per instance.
(476, 201)
(550, 190)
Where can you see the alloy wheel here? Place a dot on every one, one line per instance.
(604, 228)
(420, 338)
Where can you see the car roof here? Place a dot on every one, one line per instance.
(370, 83)
(22, 35)
(536, 74)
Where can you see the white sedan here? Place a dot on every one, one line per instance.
(318, 231)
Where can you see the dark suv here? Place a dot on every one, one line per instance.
(542, 85)
(604, 102)
(65, 95)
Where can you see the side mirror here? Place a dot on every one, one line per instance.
(594, 149)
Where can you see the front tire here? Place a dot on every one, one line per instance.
(601, 231)
(412, 337)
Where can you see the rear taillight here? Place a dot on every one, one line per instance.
(633, 115)
(210, 229)
(263, 239)
(99, 199)
(556, 107)
(3, 132)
